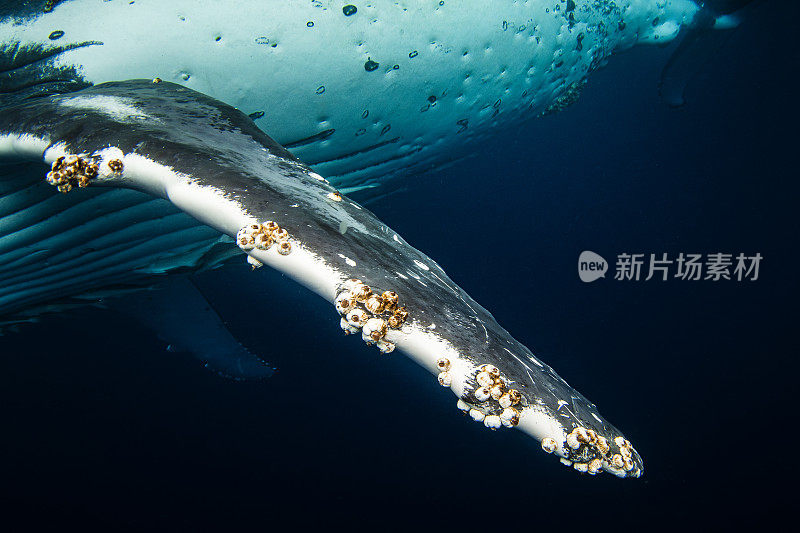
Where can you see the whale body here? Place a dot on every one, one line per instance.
(158, 179)
(360, 90)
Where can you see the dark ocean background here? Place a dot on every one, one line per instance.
(102, 426)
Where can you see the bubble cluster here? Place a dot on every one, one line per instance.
(68, 172)
(371, 313)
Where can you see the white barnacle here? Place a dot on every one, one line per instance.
(280, 235)
(497, 391)
(373, 330)
(595, 465)
(549, 444)
(484, 379)
(477, 415)
(617, 461)
(385, 346)
(482, 394)
(347, 328)
(509, 417)
(255, 263)
(285, 248)
(572, 441)
(581, 467)
(445, 380)
(505, 400)
(357, 317)
(461, 404)
(374, 304)
(492, 422)
(351, 284)
(344, 302)
(245, 240)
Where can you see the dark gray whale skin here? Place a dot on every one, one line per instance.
(204, 158)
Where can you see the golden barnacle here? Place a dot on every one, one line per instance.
(401, 314)
(602, 445)
(361, 293)
(390, 300)
(549, 444)
(263, 241)
(515, 396)
(628, 463)
(156, 80)
(374, 304)
(445, 379)
(335, 196)
(394, 322)
(616, 461)
(270, 226)
(285, 248)
(491, 370)
(91, 170)
(83, 181)
(280, 234)
(443, 364)
(595, 465)
(65, 188)
(57, 164)
(116, 166)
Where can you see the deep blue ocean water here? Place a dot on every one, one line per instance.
(103, 426)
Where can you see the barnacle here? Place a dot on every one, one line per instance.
(68, 172)
(368, 311)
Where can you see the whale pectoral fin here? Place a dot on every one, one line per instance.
(180, 315)
(702, 42)
(210, 162)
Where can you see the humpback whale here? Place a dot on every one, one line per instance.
(159, 178)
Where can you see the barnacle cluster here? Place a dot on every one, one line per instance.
(262, 237)
(68, 172)
(371, 313)
(491, 401)
(589, 452)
